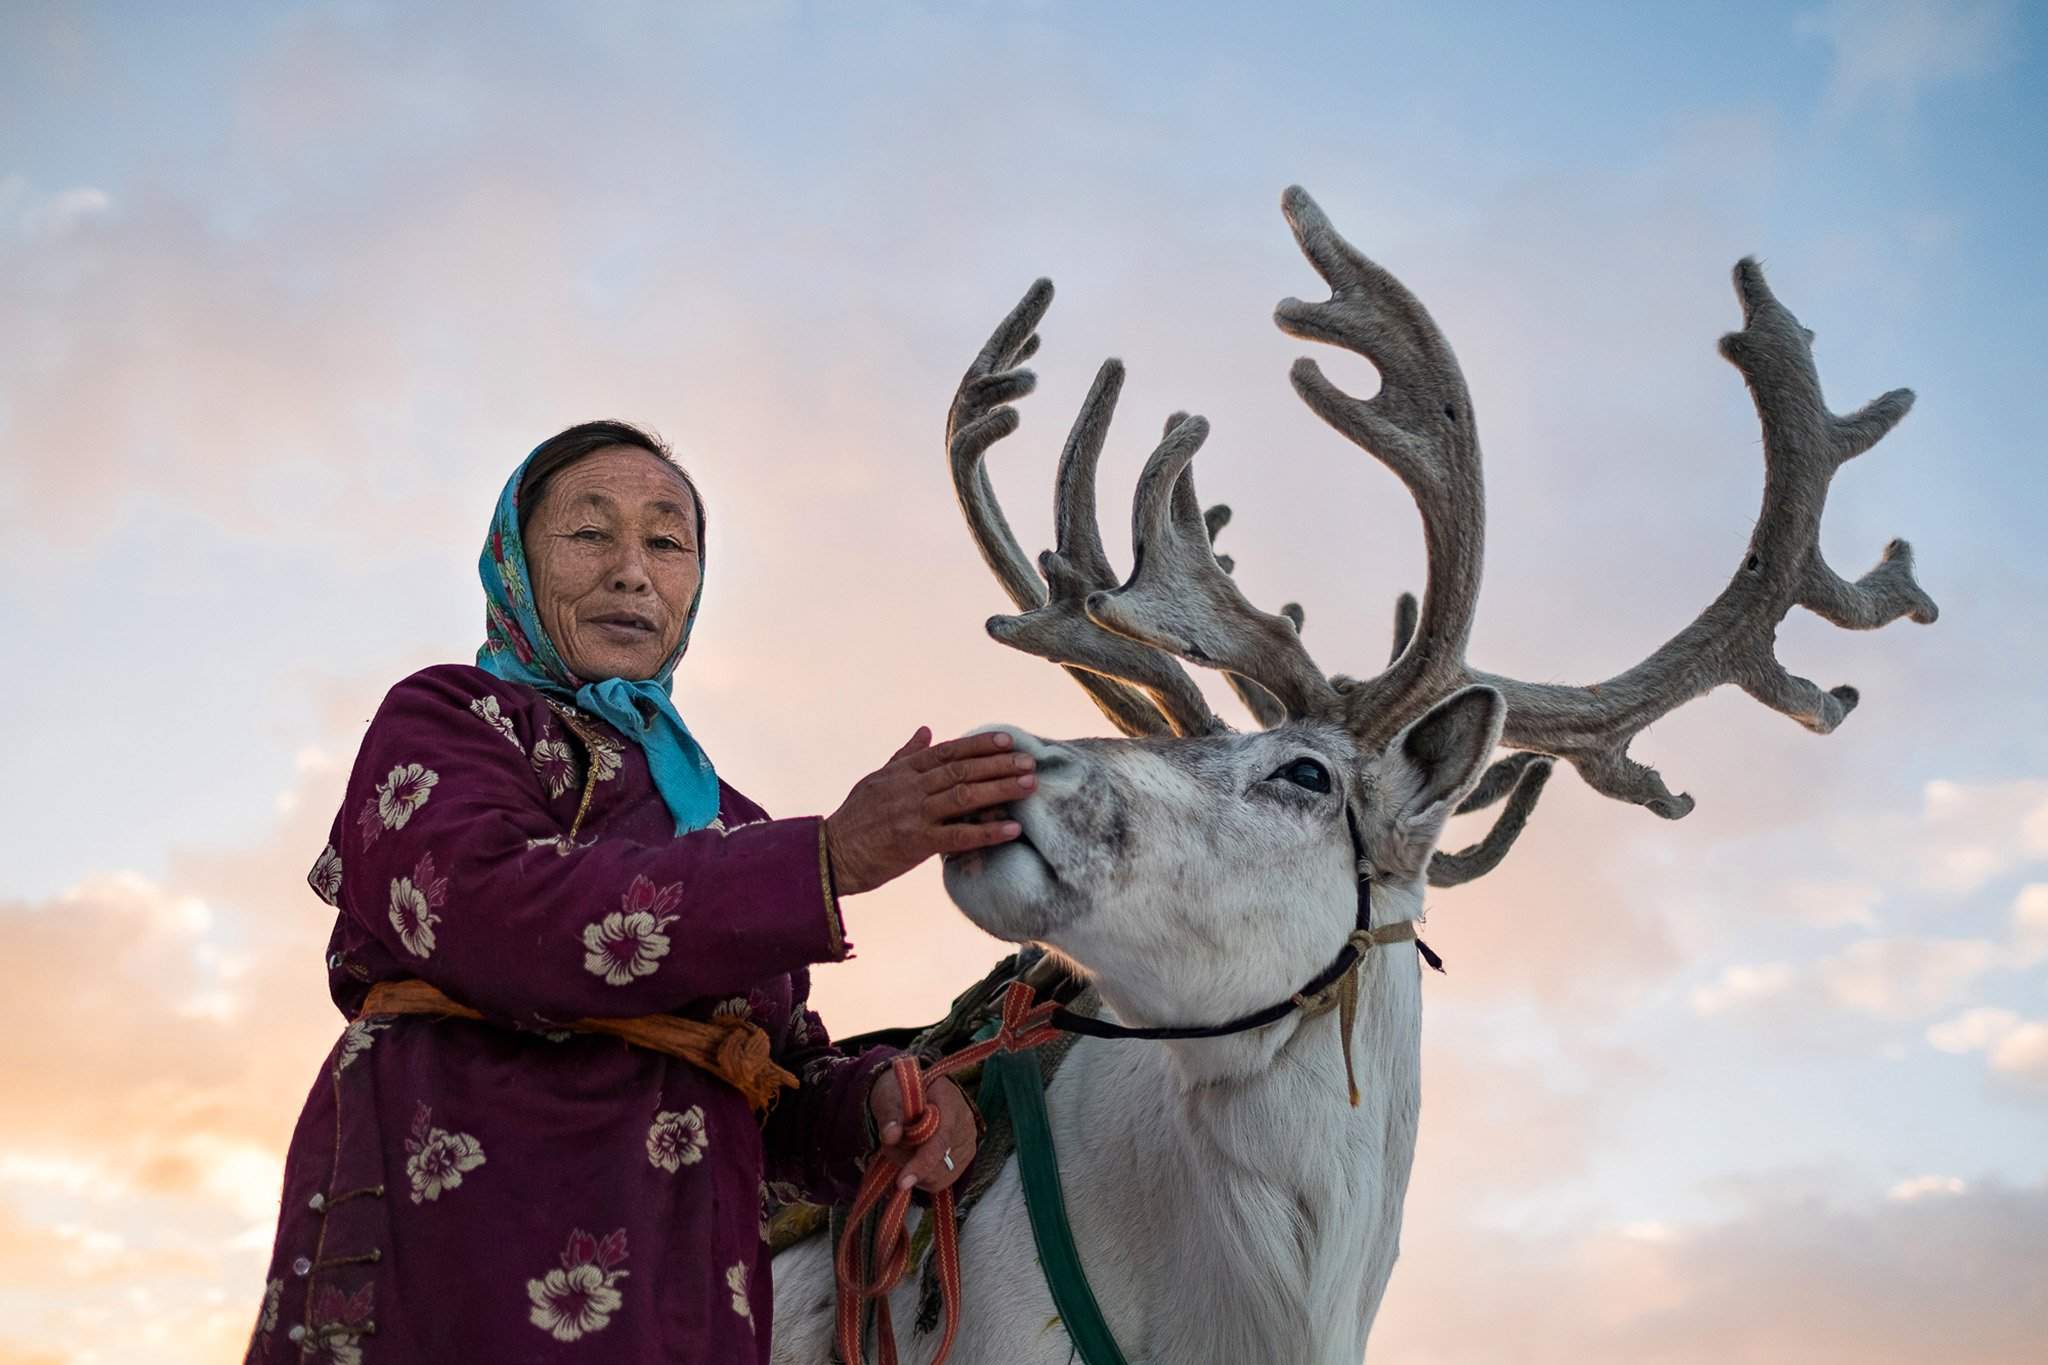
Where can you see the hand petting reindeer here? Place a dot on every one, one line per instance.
(1233, 1198)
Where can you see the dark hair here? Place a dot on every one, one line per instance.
(565, 448)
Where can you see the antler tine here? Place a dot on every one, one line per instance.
(1420, 426)
(1404, 624)
(1733, 640)
(1061, 630)
(979, 417)
(1521, 778)
(1264, 706)
(1179, 599)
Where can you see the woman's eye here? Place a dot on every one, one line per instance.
(590, 533)
(1305, 773)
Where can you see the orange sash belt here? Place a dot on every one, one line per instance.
(735, 1050)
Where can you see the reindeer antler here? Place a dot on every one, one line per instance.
(1116, 639)
(1420, 425)
(1141, 690)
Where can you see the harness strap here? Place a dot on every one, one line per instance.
(1011, 1080)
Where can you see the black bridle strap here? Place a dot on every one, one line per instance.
(1347, 956)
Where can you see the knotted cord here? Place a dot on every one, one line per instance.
(1023, 1026)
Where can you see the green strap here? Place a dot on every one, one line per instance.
(1011, 1081)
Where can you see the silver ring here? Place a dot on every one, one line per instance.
(948, 1158)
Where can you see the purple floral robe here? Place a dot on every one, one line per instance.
(507, 1191)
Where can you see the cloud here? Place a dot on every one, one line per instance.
(2030, 923)
(1924, 1186)
(1891, 52)
(1897, 1281)
(1833, 904)
(1893, 978)
(2015, 1048)
(1903, 978)
(1964, 836)
(1742, 985)
(156, 1056)
(32, 215)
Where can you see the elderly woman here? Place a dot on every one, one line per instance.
(575, 966)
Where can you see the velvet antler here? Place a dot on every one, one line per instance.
(1420, 426)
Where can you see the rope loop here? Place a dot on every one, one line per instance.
(1024, 1026)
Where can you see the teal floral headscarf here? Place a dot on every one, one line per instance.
(517, 648)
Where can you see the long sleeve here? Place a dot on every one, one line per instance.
(450, 856)
(818, 1137)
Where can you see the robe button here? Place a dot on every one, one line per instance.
(317, 1202)
(302, 1267)
(297, 1333)
(333, 961)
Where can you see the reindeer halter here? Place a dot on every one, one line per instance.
(1336, 986)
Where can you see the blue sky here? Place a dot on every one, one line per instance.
(285, 291)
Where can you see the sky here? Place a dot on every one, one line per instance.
(286, 291)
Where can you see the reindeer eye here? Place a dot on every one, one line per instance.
(1305, 773)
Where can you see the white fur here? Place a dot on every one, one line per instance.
(1228, 1202)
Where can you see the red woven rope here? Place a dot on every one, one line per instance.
(1023, 1027)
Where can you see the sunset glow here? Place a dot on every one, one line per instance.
(287, 291)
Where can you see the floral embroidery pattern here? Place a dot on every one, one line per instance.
(486, 709)
(630, 942)
(502, 632)
(403, 792)
(815, 1071)
(325, 878)
(736, 1281)
(357, 1039)
(677, 1139)
(555, 764)
(339, 1321)
(437, 1159)
(414, 900)
(581, 1297)
(604, 761)
(368, 824)
(735, 1008)
(266, 1322)
(515, 586)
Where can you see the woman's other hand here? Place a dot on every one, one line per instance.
(923, 801)
(945, 1156)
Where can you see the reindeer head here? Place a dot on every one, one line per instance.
(1202, 872)
(1203, 878)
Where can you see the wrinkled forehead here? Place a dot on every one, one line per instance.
(622, 480)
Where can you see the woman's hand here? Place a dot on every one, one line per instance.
(921, 802)
(926, 1167)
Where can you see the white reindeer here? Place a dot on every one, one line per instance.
(1229, 1202)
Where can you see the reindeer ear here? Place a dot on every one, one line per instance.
(1442, 755)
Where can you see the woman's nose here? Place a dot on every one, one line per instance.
(629, 573)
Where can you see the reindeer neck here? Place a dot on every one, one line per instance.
(1256, 1211)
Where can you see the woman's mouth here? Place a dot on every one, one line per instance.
(625, 627)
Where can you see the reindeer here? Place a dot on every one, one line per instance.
(1232, 1198)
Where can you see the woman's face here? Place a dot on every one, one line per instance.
(613, 551)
